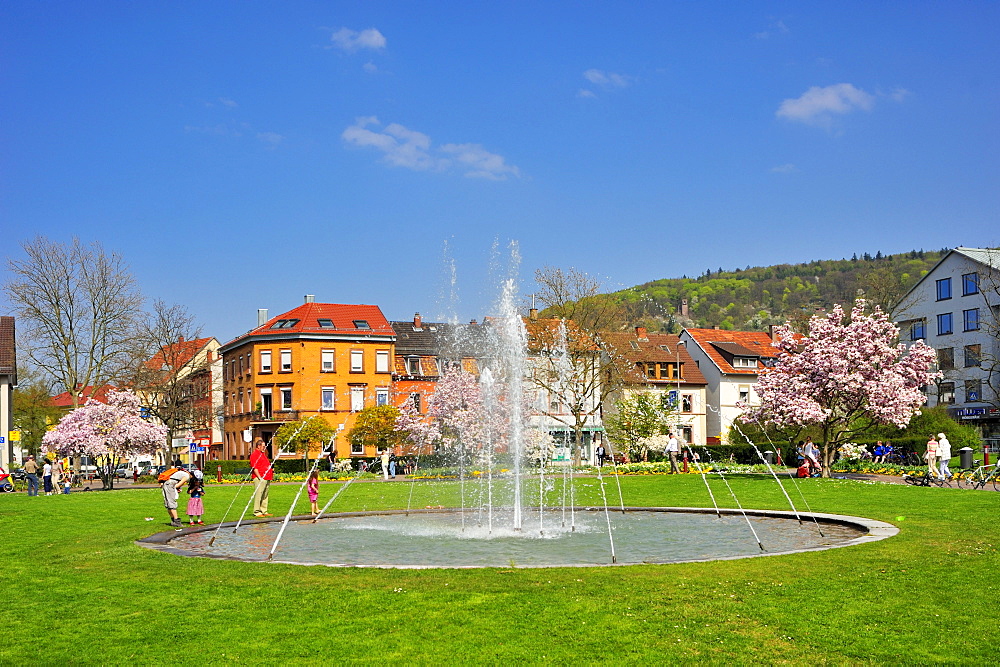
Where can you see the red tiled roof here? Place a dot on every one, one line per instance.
(755, 342)
(177, 354)
(342, 316)
(655, 347)
(64, 400)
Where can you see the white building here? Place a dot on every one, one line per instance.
(955, 308)
(8, 378)
(730, 362)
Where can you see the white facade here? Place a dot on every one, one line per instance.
(955, 310)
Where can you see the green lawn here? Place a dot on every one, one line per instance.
(79, 590)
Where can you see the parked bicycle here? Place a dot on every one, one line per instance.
(980, 477)
(927, 479)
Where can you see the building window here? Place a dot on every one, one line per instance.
(415, 400)
(651, 371)
(362, 325)
(241, 400)
(413, 365)
(686, 434)
(286, 398)
(381, 397)
(326, 361)
(381, 361)
(744, 362)
(284, 324)
(970, 284)
(357, 399)
(970, 319)
(744, 393)
(946, 359)
(241, 364)
(687, 402)
(357, 361)
(325, 323)
(265, 361)
(946, 393)
(266, 405)
(286, 361)
(357, 450)
(328, 398)
(973, 391)
(972, 355)
(944, 324)
(944, 289)
(918, 330)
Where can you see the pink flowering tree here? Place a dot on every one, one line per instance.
(454, 419)
(109, 433)
(847, 375)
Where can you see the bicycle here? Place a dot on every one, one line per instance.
(980, 477)
(926, 479)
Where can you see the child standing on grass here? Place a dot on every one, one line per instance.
(312, 487)
(195, 507)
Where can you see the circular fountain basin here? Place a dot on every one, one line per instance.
(456, 539)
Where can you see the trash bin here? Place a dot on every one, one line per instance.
(770, 457)
(965, 458)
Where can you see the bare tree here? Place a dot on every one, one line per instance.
(173, 374)
(570, 362)
(887, 289)
(989, 322)
(77, 308)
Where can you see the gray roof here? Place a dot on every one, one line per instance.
(440, 339)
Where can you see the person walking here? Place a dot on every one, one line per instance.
(392, 464)
(385, 463)
(47, 477)
(930, 455)
(671, 451)
(601, 454)
(171, 491)
(944, 456)
(31, 474)
(262, 473)
(195, 505)
(312, 488)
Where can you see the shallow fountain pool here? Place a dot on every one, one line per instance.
(442, 538)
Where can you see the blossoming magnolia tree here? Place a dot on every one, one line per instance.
(846, 375)
(107, 433)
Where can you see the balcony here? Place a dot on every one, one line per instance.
(275, 416)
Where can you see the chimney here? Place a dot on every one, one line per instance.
(684, 308)
(310, 298)
(417, 321)
(715, 326)
(180, 339)
(261, 316)
(770, 331)
(533, 314)
(641, 333)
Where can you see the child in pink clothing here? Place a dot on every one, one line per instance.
(312, 487)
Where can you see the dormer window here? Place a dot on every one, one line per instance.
(413, 366)
(284, 324)
(325, 323)
(362, 324)
(744, 362)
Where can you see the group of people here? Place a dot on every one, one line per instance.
(938, 455)
(175, 479)
(809, 458)
(54, 477)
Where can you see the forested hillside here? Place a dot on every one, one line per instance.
(756, 297)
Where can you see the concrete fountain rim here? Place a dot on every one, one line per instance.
(871, 529)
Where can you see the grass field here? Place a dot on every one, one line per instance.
(77, 589)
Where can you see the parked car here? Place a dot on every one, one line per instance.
(124, 470)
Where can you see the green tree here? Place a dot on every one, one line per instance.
(635, 420)
(304, 435)
(376, 427)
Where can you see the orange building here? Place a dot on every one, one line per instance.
(323, 359)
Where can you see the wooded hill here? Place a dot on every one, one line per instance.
(754, 298)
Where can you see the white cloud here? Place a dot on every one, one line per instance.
(784, 169)
(371, 68)
(607, 79)
(776, 28)
(350, 41)
(226, 102)
(899, 94)
(403, 147)
(479, 162)
(583, 92)
(818, 106)
(270, 138)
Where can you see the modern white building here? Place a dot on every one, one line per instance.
(955, 308)
(730, 362)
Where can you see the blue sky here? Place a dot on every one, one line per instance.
(242, 154)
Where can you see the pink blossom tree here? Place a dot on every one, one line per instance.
(108, 433)
(847, 375)
(454, 416)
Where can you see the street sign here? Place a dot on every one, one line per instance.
(195, 449)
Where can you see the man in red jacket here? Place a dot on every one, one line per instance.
(262, 474)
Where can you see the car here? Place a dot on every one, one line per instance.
(124, 470)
